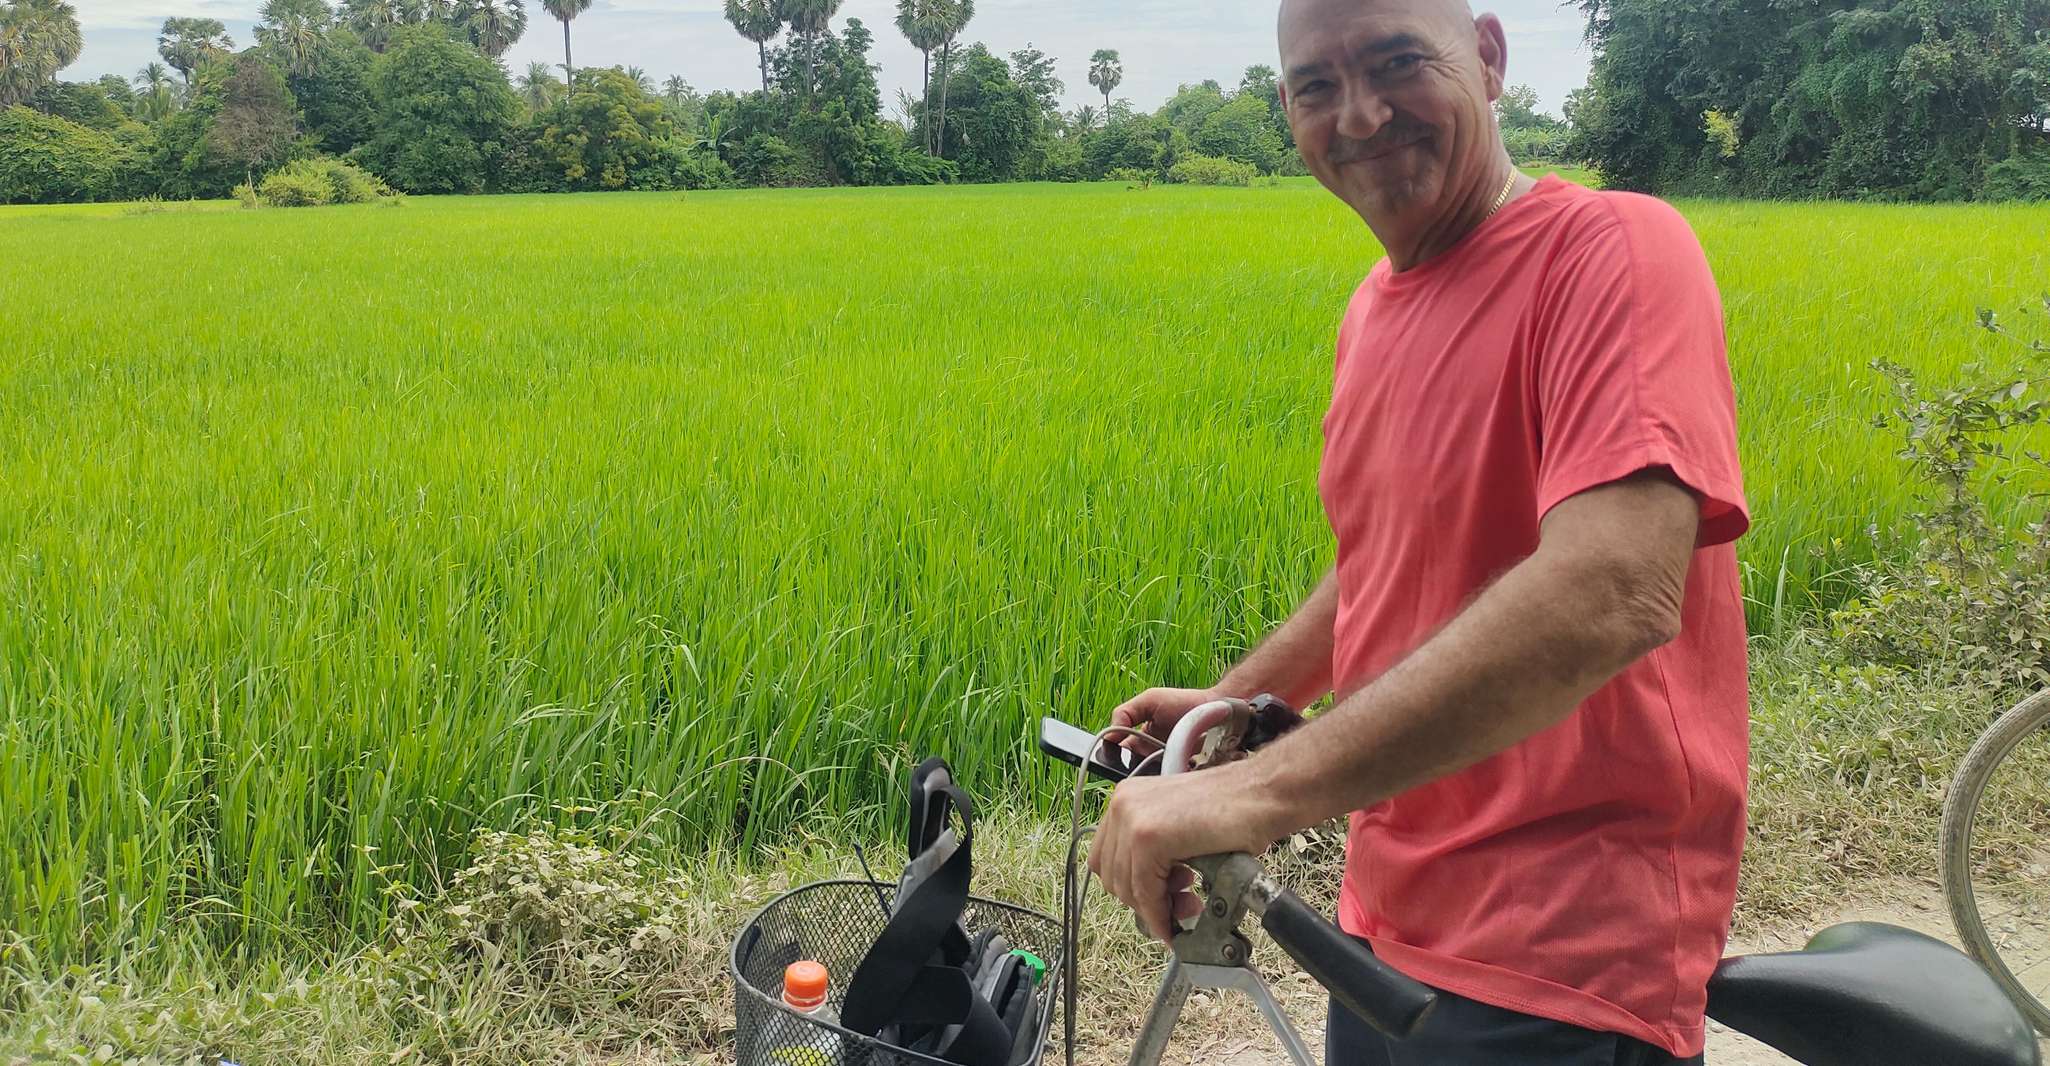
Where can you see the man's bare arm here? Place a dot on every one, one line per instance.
(1603, 589)
(1294, 661)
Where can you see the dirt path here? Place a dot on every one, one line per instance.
(1230, 1033)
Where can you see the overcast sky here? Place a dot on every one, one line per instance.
(1164, 43)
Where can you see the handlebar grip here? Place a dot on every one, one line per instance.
(1363, 984)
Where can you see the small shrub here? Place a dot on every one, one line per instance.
(1211, 170)
(1974, 596)
(1133, 177)
(573, 927)
(317, 181)
(2022, 176)
(246, 193)
(295, 188)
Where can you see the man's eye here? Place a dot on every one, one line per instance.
(1314, 88)
(1403, 63)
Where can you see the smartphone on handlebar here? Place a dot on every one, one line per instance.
(1072, 744)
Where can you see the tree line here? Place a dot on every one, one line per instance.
(1884, 99)
(414, 91)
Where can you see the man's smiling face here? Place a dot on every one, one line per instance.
(1391, 100)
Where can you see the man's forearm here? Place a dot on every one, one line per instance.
(1294, 661)
(1518, 659)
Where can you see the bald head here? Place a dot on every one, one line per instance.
(1298, 15)
(1392, 101)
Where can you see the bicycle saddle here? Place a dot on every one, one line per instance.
(1869, 994)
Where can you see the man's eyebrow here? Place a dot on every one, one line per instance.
(1377, 47)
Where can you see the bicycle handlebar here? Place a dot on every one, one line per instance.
(1363, 984)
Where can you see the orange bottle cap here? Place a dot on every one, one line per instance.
(804, 985)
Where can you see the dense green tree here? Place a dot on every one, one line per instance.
(604, 130)
(443, 112)
(1136, 141)
(38, 38)
(119, 93)
(1191, 105)
(758, 21)
(1106, 72)
(334, 92)
(1242, 129)
(187, 44)
(1516, 108)
(45, 159)
(1863, 98)
(1261, 80)
(564, 11)
(257, 121)
(85, 103)
(1034, 70)
(993, 119)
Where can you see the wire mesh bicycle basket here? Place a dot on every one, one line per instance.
(834, 923)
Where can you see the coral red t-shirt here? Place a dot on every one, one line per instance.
(1586, 874)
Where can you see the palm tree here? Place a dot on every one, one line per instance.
(157, 97)
(1106, 70)
(676, 90)
(808, 19)
(640, 79)
(954, 18)
(373, 20)
(293, 29)
(566, 10)
(538, 85)
(920, 22)
(422, 12)
(493, 25)
(760, 22)
(1085, 118)
(38, 38)
(188, 43)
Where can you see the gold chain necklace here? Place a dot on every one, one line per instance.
(1501, 197)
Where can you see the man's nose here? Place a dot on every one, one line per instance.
(1362, 112)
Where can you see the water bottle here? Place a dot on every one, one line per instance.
(804, 990)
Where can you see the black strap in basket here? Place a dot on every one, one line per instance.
(917, 978)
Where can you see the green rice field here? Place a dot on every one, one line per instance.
(331, 535)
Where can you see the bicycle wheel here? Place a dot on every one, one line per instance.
(1996, 854)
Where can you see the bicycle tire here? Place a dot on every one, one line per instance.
(1960, 807)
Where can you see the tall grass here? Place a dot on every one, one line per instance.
(331, 535)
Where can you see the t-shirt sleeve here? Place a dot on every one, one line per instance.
(1631, 370)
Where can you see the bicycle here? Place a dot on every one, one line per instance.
(1996, 854)
(1858, 994)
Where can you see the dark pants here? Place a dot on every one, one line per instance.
(1462, 1032)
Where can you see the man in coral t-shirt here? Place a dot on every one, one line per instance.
(1533, 632)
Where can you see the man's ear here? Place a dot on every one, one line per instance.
(1494, 51)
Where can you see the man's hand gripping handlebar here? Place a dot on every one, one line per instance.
(1235, 884)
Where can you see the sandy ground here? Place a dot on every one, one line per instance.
(1230, 1032)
